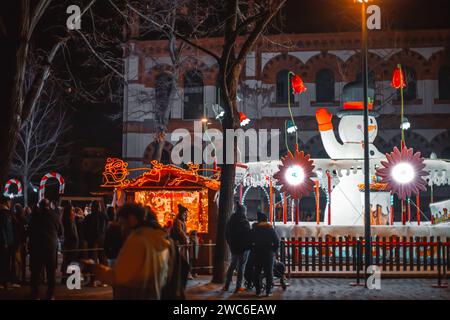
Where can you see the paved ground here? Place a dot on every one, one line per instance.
(299, 289)
(331, 289)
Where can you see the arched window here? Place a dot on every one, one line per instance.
(410, 92)
(283, 85)
(163, 89)
(444, 83)
(193, 95)
(324, 86)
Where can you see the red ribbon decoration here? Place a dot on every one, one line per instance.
(297, 84)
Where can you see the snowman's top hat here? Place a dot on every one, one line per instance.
(353, 100)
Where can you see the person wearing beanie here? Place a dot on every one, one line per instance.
(265, 243)
(238, 238)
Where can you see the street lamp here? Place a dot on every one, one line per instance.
(364, 51)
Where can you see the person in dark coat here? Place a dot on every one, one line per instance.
(265, 243)
(6, 243)
(71, 241)
(95, 229)
(237, 233)
(82, 244)
(20, 243)
(113, 238)
(44, 231)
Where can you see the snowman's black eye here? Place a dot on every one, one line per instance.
(371, 121)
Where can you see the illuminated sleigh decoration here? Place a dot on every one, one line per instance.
(163, 186)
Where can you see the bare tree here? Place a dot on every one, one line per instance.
(19, 20)
(240, 24)
(40, 146)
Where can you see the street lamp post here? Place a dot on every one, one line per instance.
(364, 51)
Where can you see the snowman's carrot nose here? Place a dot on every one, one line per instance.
(372, 127)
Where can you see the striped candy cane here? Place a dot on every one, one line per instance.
(10, 194)
(44, 179)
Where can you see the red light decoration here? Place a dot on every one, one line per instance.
(398, 78)
(116, 175)
(295, 173)
(297, 85)
(403, 172)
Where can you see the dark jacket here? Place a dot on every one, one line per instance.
(113, 240)
(20, 224)
(44, 231)
(80, 229)
(264, 239)
(70, 235)
(238, 233)
(6, 227)
(95, 227)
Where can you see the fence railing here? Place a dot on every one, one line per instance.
(199, 256)
(347, 254)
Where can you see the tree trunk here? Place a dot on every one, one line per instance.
(225, 208)
(25, 191)
(228, 171)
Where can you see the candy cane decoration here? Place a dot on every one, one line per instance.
(44, 179)
(10, 194)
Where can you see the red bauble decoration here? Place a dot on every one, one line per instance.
(297, 84)
(295, 173)
(403, 172)
(398, 78)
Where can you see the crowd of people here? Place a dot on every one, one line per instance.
(253, 253)
(127, 249)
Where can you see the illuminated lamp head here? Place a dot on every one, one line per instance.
(295, 175)
(403, 173)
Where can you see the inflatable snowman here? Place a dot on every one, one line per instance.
(346, 204)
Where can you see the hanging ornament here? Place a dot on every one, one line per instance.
(403, 172)
(294, 174)
(398, 78)
(297, 85)
(243, 119)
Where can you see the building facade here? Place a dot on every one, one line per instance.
(326, 62)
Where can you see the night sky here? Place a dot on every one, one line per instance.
(343, 15)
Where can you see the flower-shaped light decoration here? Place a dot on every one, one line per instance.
(294, 174)
(298, 86)
(398, 78)
(403, 172)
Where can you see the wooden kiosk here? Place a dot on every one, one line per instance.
(163, 187)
